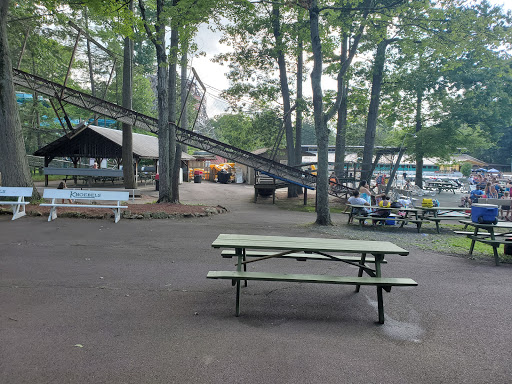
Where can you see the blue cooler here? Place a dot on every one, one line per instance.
(390, 221)
(484, 213)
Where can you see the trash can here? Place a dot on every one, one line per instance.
(198, 175)
(157, 182)
(223, 177)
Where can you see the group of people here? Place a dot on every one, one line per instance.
(363, 195)
(489, 187)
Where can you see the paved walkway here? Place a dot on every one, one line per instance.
(90, 301)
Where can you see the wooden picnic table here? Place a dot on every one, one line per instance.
(411, 215)
(437, 214)
(259, 247)
(441, 186)
(490, 237)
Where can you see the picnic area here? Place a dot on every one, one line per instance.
(90, 300)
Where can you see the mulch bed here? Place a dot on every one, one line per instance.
(134, 211)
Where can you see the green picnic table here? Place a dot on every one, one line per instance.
(438, 214)
(490, 237)
(253, 248)
(411, 215)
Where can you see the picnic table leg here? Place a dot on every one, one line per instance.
(245, 265)
(237, 305)
(360, 273)
(380, 300)
(380, 305)
(494, 247)
(475, 233)
(240, 253)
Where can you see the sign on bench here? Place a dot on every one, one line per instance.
(18, 206)
(78, 195)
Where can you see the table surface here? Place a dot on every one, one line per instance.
(442, 183)
(379, 207)
(307, 244)
(458, 209)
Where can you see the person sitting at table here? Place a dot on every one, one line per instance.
(505, 209)
(384, 203)
(465, 201)
(355, 199)
(499, 190)
(475, 195)
(405, 201)
(490, 192)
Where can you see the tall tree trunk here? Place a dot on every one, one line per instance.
(285, 91)
(158, 39)
(300, 101)
(373, 110)
(341, 126)
(418, 144)
(183, 103)
(323, 216)
(173, 161)
(127, 150)
(13, 157)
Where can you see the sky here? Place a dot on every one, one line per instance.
(213, 74)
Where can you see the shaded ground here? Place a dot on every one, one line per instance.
(90, 301)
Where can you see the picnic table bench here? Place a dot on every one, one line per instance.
(80, 195)
(300, 248)
(18, 206)
(490, 238)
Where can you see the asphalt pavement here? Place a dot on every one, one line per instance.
(90, 301)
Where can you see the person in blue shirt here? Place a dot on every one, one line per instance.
(475, 195)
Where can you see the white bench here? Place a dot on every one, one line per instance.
(74, 195)
(18, 207)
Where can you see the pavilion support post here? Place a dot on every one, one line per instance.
(75, 161)
(47, 160)
(136, 173)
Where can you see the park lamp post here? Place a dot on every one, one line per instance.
(397, 164)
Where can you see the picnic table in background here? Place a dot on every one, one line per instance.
(260, 248)
(438, 214)
(489, 238)
(410, 215)
(441, 186)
